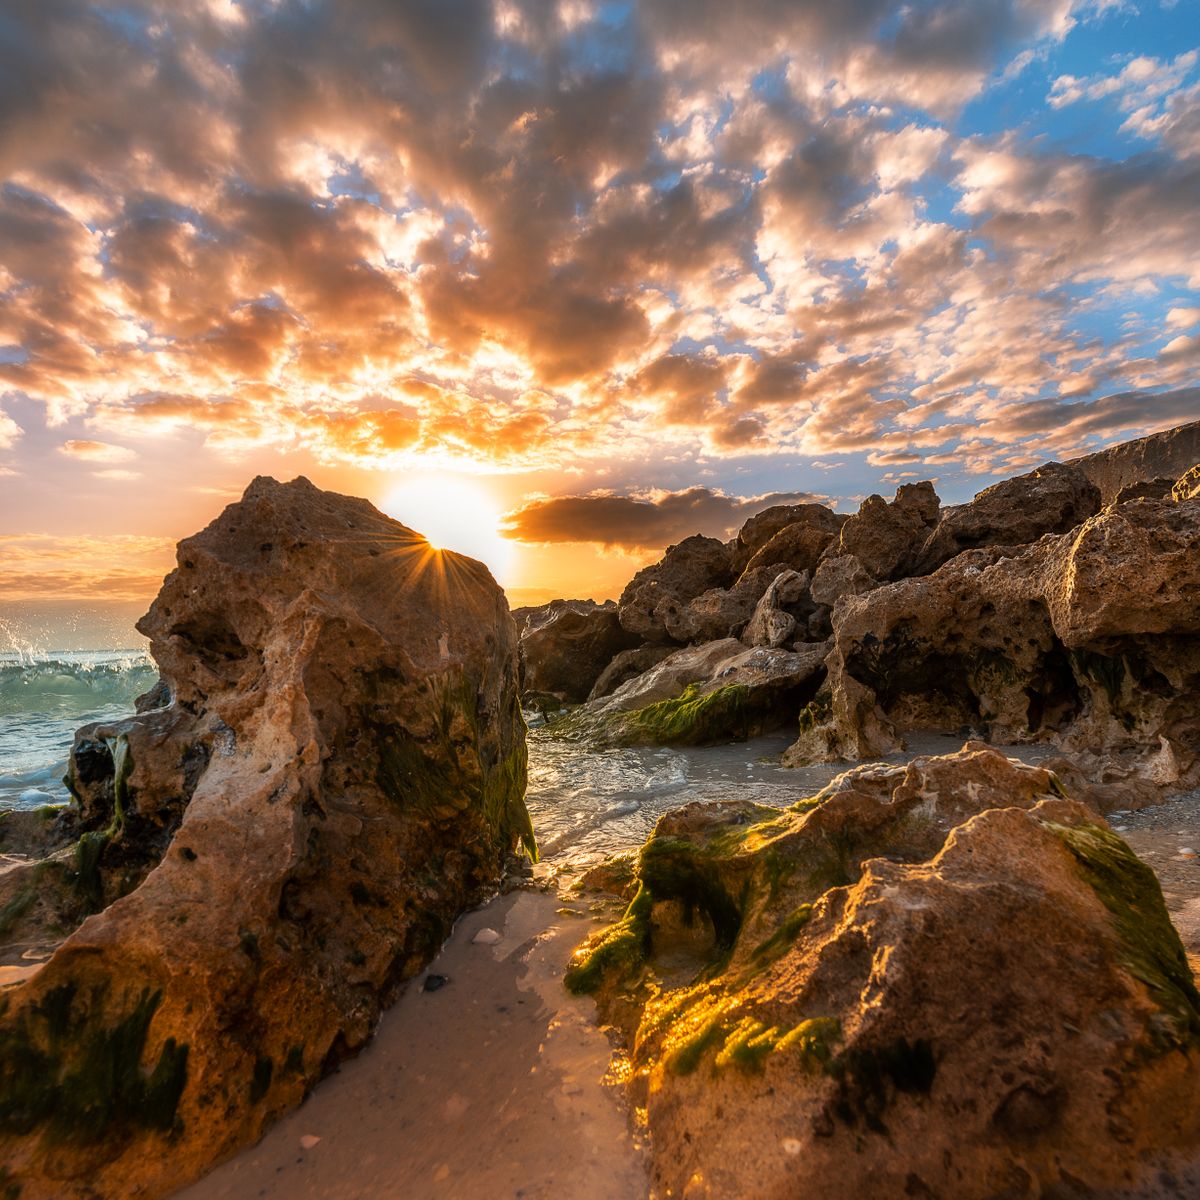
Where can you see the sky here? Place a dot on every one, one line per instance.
(580, 277)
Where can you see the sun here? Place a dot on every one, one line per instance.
(455, 513)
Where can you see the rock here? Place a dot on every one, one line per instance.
(1188, 486)
(763, 526)
(340, 773)
(720, 691)
(891, 995)
(882, 536)
(797, 546)
(772, 624)
(627, 665)
(1089, 639)
(486, 937)
(719, 612)
(1169, 453)
(1053, 499)
(694, 566)
(308, 1141)
(838, 577)
(920, 500)
(1146, 489)
(566, 644)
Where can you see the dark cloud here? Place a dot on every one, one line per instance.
(639, 524)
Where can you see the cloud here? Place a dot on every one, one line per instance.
(532, 235)
(96, 452)
(635, 522)
(45, 566)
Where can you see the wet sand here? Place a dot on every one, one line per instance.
(492, 1086)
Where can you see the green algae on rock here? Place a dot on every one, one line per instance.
(947, 956)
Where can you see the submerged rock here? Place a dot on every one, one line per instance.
(339, 773)
(566, 644)
(938, 980)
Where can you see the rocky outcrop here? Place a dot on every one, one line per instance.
(1091, 639)
(720, 691)
(1160, 455)
(796, 546)
(884, 537)
(628, 665)
(1053, 499)
(658, 592)
(763, 526)
(338, 773)
(1188, 485)
(936, 980)
(719, 612)
(774, 622)
(841, 576)
(566, 644)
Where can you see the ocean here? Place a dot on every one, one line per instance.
(44, 698)
(585, 804)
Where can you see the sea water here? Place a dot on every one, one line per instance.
(585, 803)
(44, 698)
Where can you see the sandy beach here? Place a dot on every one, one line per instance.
(493, 1085)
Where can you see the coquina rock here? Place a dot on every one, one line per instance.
(628, 665)
(1090, 639)
(885, 536)
(337, 773)
(1053, 499)
(774, 623)
(1166, 454)
(797, 546)
(763, 526)
(1188, 485)
(719, 612)
(657, 592)
(566, 644)
(939, 980)
(715, 692)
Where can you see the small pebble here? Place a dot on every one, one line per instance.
(486, 937)
(308, 1141)
(433, 982)
(791, 1146)
(441, 1174)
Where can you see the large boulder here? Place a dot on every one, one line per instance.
(1090, 639)
(1168, 453)
(1187, 486)
(774, 620)
(1053, 499)
(884, 537)
(628, 665)
(719, 691)
(337, 772)
(941, 979)
(719, 612)
(796, 546)
(658, 592)
(566, 644)
(763, 526)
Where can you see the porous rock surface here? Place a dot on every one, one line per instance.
(1168, 453)
(1090, 639)
(566, 644)
(338, 772)
(941, 980)
(718, 691)
(1053, 499)
(696, 565)
(764, 526)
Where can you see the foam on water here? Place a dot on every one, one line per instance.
(44, 698)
